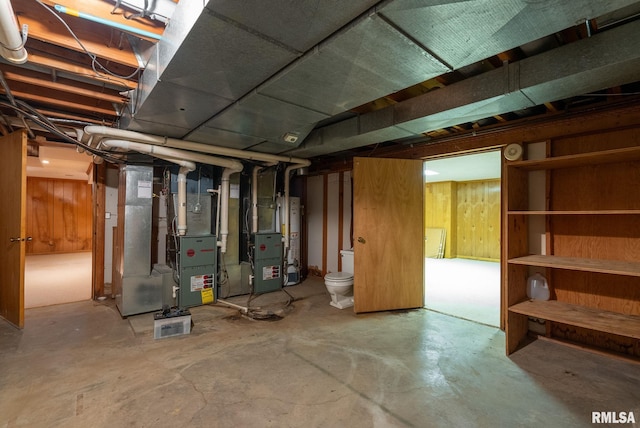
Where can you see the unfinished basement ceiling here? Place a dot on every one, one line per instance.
(315, 78)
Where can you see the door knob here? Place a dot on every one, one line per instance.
(361, 240)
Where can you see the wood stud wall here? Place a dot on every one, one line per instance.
(441, 211)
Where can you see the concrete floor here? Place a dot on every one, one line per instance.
(82, 365)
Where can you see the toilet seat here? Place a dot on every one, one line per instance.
(339, 276)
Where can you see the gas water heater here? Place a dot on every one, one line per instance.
(293, 254)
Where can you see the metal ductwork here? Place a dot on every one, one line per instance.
(592, 64)
(261, 76)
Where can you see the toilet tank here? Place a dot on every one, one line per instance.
(347, 261)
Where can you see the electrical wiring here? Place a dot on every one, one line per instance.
(32, 114)
(223, 277)
(94, 58)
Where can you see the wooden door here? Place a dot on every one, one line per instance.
(13, 185)
(388, 234)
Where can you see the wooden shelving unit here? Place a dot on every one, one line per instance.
(594, 319)
(567, 212)
(582, 159)
(615, 267)
(591, 226)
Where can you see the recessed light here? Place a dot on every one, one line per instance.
(44, 161)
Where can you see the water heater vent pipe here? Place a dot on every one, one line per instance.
(11, 38)
(185, 159)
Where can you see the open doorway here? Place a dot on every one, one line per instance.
(462, 236)
(59, 223)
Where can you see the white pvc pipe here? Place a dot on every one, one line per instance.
(182, 200)
(93, 132)
(185, 168)
(254, 199)
(175, 154)
(287, 235)
(233, 305)
(182, 157)
(224, 217)
(10, 35)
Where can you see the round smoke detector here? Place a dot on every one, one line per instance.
(513, 152)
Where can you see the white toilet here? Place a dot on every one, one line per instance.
(340, 284)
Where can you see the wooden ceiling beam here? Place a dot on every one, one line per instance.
(105, 10)
(96, 38)
(61, 65)
(539, 128)
(54, 100)
(65, 85)
(80, 59)
(70, 116)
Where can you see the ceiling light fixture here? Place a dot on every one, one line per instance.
(290, 137)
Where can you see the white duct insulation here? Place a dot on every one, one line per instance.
(185, 159)
(93, 134)
(11, 42)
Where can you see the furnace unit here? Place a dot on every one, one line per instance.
(197, 270)
(267, 262)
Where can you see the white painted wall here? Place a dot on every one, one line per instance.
(314, 214)
(346, 212)
(333, 216)
(313, 211)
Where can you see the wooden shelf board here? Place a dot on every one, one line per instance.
(582, 159)
(569, 212)
(580, 316)
(616, 267)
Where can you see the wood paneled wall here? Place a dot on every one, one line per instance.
(441, 211)
(478, 223)
(606, 237)
(470, 213)
(59, 215)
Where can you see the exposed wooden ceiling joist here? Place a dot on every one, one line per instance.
(84, 71)
(87, 105)
(105, 10)
(97, 39)
(63, 85)
(70, 116)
